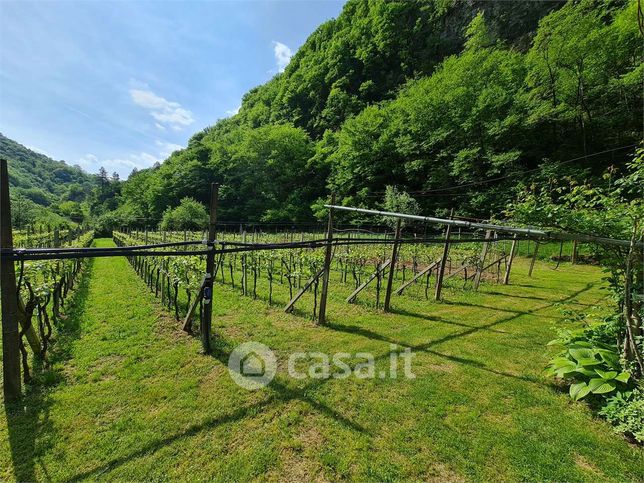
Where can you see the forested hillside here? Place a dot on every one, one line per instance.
(460, 103)
(44, 191)
(40, 178)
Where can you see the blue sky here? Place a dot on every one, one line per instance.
(122, 84)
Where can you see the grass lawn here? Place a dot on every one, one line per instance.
(130, 397)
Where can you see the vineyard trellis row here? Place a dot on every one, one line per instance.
(43, 286)
(177, 280)
(172, 273)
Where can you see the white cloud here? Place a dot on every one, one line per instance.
(38, 150)
(165, 112)
(283, 55)
(166, 149)
(124, 165)
(232, 112)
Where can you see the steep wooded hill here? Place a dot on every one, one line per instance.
(40, 178)
(460, 102)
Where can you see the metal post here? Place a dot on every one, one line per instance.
(327, 265)
(9, 297)
(392, 265)
(206, 319)
(513, 249)
(441, 269)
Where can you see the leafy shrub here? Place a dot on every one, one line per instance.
(626, 412)
(189, 215)
(106, 223)
(591, 366)
(398, 202)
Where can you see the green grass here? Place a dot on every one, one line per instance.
(129, 396)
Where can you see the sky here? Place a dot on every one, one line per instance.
(122, 84)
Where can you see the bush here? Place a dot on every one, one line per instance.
(626, 412)
(189, 215)
(591, 366)
(106, 223)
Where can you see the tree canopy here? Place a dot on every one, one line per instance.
(456, 102)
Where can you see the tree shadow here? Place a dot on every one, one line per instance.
(352, 329)
(28, 424)
(193, 430)
(279, 392)
(283, 392)
(428, 347)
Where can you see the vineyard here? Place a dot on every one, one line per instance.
(277, 276)
(43, 287)
(100, 329)
(131, 378)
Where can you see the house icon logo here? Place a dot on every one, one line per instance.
(252, 365)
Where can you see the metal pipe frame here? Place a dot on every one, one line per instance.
(529, 232)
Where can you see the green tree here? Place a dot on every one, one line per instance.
(399, 202)
(189, 215)
(612, 209)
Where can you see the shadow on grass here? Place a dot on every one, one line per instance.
(279, 392)
(514, 296)
(428, 347)
(28, 419)
(193, 430)
(352, 329)
(282, 392)
(431, 318)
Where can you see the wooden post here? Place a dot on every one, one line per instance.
(307, 285)
(479, 268)
(352, 298)
(146, 236)
(534, 257)
(428, 268)
(392, 266)
(573, 257)
(441, 268)
(513, 249)
(206, 319)
(327, 265)
(9, 296)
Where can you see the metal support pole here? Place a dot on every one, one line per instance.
(530, 232)
(392, 265)
(513, 249)
(441, 268)
(206, 319)
(327, 265)
(9, 297)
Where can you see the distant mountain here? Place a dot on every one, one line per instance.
(42, 179)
